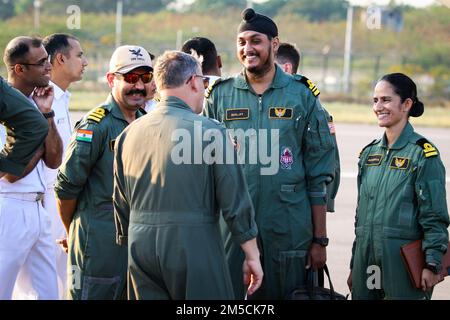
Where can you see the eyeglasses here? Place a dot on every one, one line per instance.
(204, 79)
(133, 78)
(41, 62)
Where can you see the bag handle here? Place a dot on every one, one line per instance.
(310, 281)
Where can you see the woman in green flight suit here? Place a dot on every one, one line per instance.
(401, 198)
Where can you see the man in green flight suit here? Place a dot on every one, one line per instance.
(169, 189)
(26, 130)
(290, 199)
(288, 57)
(84, 187)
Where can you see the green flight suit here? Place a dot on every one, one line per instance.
(283, 200)
(169, 209)
(401, 198)
(97, 265)
(26, 129)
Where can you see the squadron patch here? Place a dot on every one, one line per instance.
(399, 163)
(237, 114)
(286, 158)
(428, 149)
(280, 113)
(97, 115)
(374, 159)
(84, 135)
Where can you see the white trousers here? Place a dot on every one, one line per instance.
(27, 253)
(58, 232)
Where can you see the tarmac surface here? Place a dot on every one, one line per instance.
(351, 139)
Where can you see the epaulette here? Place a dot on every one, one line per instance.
(211, 87)
(428, 149)
(311, 86)
(97, 114)
(370, 144)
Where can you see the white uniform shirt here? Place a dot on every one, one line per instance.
(60, 106)
(33, 182)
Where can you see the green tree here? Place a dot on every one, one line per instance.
(218, 5)
(6, 9)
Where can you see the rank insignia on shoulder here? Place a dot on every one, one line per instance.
(374, 159)
(310, 85)
(98, 114)
(237, 114)
(373, 142)
(280, 113)
(84, 135)
(399, 163)
(211, 87)
(428, 149)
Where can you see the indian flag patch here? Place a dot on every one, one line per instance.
(84, 135)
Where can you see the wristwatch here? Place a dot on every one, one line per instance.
(323, 241)
(50, 114)
(433, 267)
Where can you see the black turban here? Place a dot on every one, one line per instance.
(253, 21)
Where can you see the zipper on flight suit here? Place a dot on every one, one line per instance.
(384, 161)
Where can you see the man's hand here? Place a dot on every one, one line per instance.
(350, 281)
(317, 256)
(253, 275)
(43, 97)
(429, 279)
(63, 243)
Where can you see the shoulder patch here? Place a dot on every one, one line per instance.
(97, 114)
(428, 149)
(372, 143)
(311, 86)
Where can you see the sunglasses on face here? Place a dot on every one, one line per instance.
(204, 79)
(133, 78)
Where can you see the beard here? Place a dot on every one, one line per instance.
(261, 70)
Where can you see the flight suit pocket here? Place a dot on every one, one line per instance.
(406, 212)
(292, 270)
(95, 288)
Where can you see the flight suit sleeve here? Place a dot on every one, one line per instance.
(319, 155)
(121, 205)
(333, 186)
(433, 215)
(26, 129)
(233, 198)
(86, 146)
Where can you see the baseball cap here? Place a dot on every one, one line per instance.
(127, 58)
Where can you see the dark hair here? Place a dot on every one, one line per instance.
(58, 43)
(405, 88)
(288, 53)
(204, 47)
(18, 48)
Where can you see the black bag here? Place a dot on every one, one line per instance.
(311, 292)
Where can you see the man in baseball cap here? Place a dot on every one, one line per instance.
(84, 184)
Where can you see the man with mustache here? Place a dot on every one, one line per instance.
(84, 186)
(290, 205)
(68, 64)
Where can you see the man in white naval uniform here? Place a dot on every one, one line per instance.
(68, 64)
(27, 255)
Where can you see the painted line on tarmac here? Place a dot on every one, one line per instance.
(353, 175)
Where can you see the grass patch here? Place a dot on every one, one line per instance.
(342, 112)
